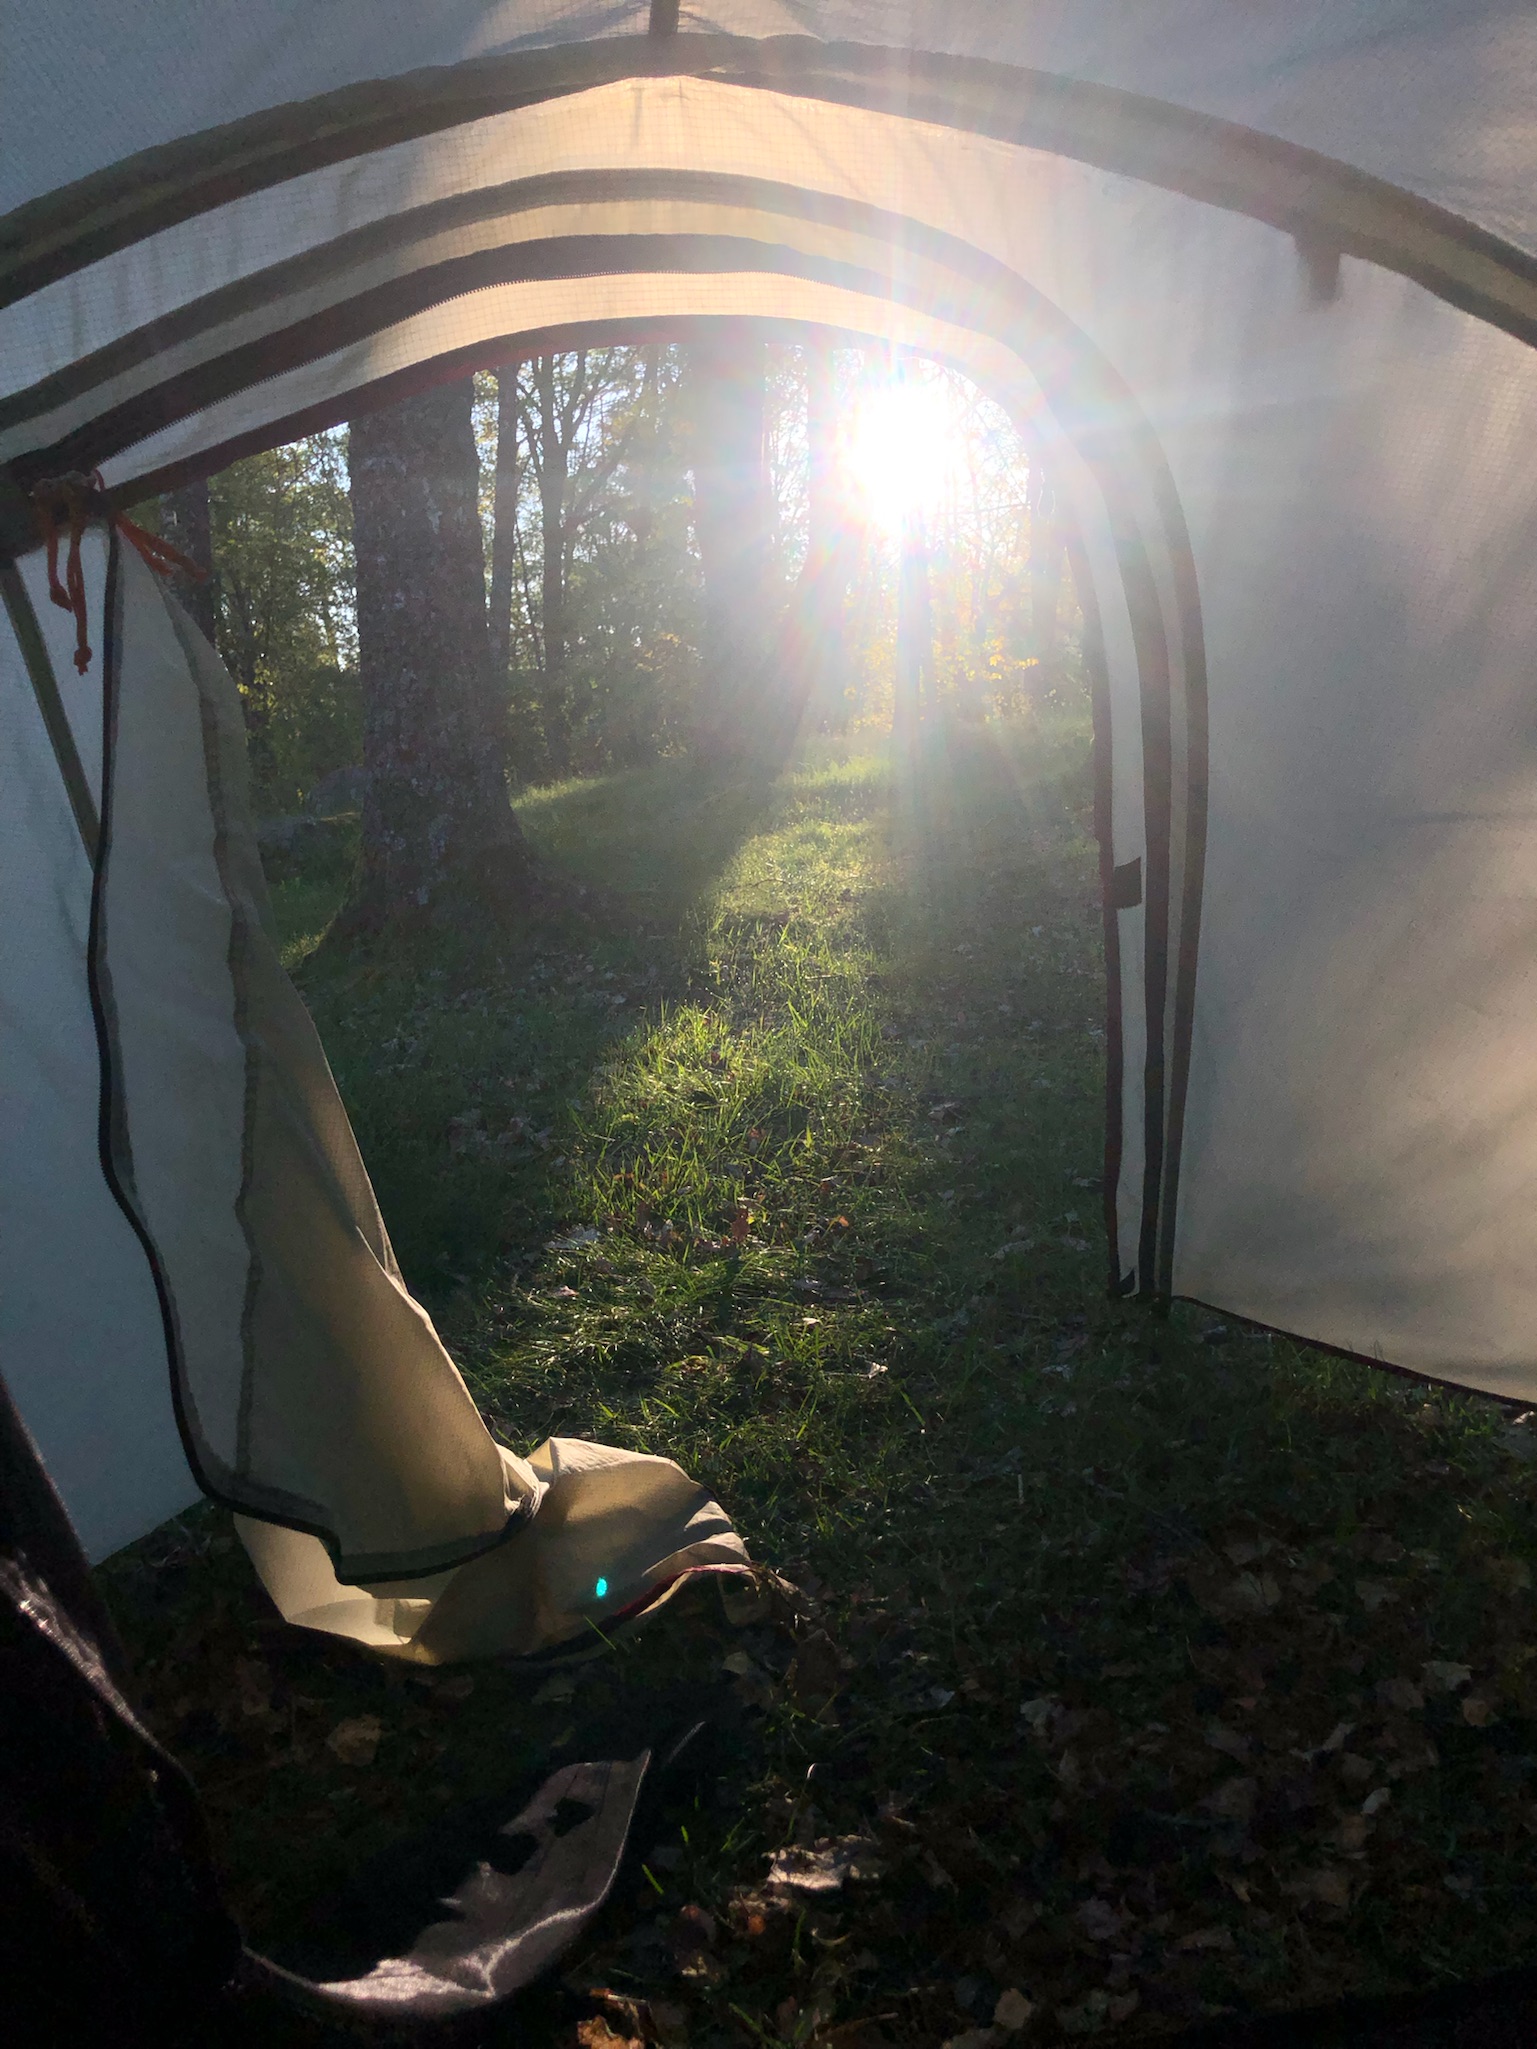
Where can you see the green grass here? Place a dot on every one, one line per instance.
(1089, 1594)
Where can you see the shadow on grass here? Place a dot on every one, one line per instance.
(461, 1063)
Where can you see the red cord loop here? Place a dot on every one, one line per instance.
(72, 500)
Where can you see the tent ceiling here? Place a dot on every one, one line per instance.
(1437, 96)
(223, 264)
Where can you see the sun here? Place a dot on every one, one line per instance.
(902, 449)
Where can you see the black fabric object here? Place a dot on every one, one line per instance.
(112, 1926)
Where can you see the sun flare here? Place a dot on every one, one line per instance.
(903, 447)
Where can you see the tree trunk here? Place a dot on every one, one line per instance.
(915, 633)
(186, 524)
(733, 523)
(825, 580)
(439, 837)
(1046, 556)
(553, 480)
(504, 526)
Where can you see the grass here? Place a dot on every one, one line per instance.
(1131, 1649)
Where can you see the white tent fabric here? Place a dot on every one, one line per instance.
(1260, 284)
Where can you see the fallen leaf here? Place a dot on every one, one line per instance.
(560, 1687)
(1234, 1799)
(1477, 1712)
(1088, 2017)
(573, 1240)
(1441, 1676)
(1037, 1713)
(1329, 1887)
(695, 1928)
(670, 2022)
(975, 2038)
(1206, 1938)
(1374, 1594)
(1400, 1694)
(595, 2033)
(355, 1740)
(1375, 1802)
(1099, 1920)
(459, 1686)
(1351, 1833)
(824, 1867)
(1250, 1594)
(1012, 2010)
(1510, 1575)
(1228, 1741)
(1017, 1918)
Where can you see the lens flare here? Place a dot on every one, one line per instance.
(600, 1589)
(903, 447)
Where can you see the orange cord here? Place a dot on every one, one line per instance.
(76, 498)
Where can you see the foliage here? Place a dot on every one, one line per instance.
(598, 562)
(1141, 1670)
(600, 466)
(282, 538)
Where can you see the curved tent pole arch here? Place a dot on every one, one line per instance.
(1332, 205)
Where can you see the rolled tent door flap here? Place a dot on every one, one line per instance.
(310, 1391)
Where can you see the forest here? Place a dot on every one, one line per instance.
(870, 522)
(674, 767)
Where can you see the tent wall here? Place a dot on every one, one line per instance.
(80, 1328)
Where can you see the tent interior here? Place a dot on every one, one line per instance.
(1259, 283)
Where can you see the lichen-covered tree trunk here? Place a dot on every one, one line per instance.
(733, 524)
(440, 841)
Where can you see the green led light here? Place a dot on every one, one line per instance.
(601, 1588)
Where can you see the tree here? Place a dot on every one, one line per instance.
(733, 526)
(440, 839)
(280, 536)
(504, 523)
(819, 604)
(186, 521)
(914, 687)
